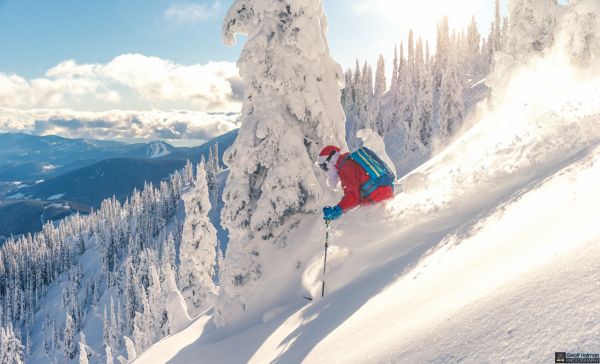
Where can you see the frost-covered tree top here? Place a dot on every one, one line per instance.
(579, 32)
(532, 24)
(291, 110)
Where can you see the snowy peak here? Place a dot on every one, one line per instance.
(158, 149)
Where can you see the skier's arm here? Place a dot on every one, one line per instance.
(350, 179)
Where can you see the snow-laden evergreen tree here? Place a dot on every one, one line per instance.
(198, 248)
(380, 88)
(497, 28)
(532, 25)
(69, 343)
(291, 110)
(355, 114)
(188, 172)
(366, 108)
(423, 121)
(442, 53)
(406, 105)
(83, 354)
(109, 355)
(473, 51)
(169, 266)
(130, 347)
(212, 171)
(11, 348)
(579, 34)
(452, 105)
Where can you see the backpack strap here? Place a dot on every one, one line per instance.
(368, 188)
(345, 159)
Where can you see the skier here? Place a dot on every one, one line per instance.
(360, 186)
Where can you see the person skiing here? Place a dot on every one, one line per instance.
(359, 186)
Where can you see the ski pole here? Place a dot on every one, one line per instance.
(328, 224)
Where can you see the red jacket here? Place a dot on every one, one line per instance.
(352, 177)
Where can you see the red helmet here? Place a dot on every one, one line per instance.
(326, 155)
(328, 150)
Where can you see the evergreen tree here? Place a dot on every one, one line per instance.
(380, 88)
(423, 132)
(109, 355)
(473, 56)
(497, 26)
(11, 348)
(442, 53)
(69, 344)
(198, 249)
(286, 121)
(532, 24)
(83, 355)
(451, 100)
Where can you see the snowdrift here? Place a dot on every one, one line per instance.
(491, 253)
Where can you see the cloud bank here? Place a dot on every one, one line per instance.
(189, 13)
(179, 127)
(127, 81)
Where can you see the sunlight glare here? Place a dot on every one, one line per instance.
(422, 16)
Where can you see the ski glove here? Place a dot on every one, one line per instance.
(332, 213)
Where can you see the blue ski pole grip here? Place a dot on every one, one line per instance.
(332, 213)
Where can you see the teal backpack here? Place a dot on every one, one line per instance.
(380, 173)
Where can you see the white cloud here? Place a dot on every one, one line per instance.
(109, 96)
(150, 81)
(174, 126)
(189, 13)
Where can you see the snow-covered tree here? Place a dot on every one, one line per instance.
(497, 28)
(130, 347)
(109, 355)
(168, 265)
(380, 88)
(188, 172)
(473, 51)
(83, 355)
(423, 118)
(212, 171)
(69, 343)
(11, 348)
(452, 105)
(291, 110)
(532, 25)
(579, 34)
(442, 53)
(198, 248)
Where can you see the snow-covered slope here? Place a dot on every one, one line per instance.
(490, 254)
(158, 149)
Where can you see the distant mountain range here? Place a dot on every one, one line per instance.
(31, 157)
(26, 216)
(41, 171)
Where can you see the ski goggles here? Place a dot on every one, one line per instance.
(325, 164)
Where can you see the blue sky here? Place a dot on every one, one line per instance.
(35, 35)
(82, 56)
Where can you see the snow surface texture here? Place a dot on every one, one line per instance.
(493, 258)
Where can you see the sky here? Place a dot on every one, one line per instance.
(74, 56)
